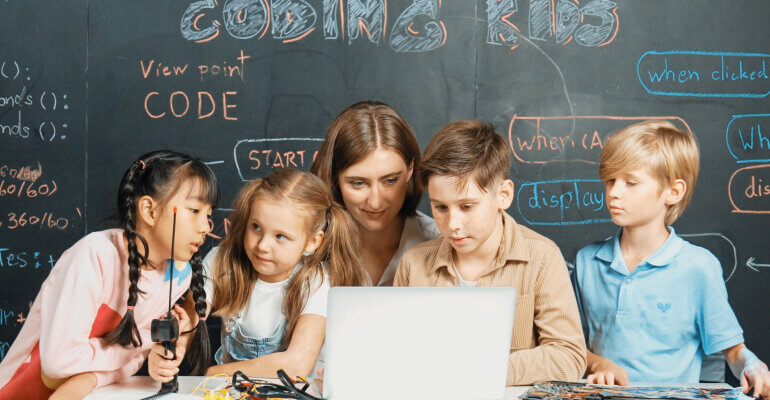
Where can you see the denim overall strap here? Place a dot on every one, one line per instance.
(237, 346)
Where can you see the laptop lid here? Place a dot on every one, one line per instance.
(417, 342)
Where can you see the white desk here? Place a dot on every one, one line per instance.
(142, 386)
(138, 387)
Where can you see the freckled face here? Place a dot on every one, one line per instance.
(374, 188)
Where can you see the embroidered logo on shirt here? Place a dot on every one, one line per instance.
(179, 275)
(664, 307)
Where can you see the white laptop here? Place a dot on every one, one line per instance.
(417, 343)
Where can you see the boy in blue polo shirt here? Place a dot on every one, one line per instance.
(652, 303)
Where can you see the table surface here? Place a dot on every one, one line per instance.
(138, 387)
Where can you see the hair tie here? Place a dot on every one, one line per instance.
(130, 308)
(141, 162)
(196, 327)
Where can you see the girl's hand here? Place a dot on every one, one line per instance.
(161, 365)
(606, 372)
(185, 322)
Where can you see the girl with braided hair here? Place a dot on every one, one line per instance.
(288, 243)
(90, 323)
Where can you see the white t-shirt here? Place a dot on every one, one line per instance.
(263, 314)
(462, 282)
(417, 229)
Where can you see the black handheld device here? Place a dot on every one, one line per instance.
(166, 330)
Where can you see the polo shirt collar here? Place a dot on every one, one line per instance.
(610, 252)
(511, 248)
(666, 253)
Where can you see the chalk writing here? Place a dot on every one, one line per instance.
(748, 138)
(48, 100)
(22, 173)
(41, 220)
(562, 202)
(46, 131)
(540, 140)
(564, 20)
(7, 317)
(753, 265)
(749, 190)
(291, 20)
(331, 10)
(246, 19)
(17, 128)
(13, 70)
(23, 259)
(4, 346)
(157, 69)
(20, 99)
(500, 30)
(417, 28)
(27, 190)
(220, 230)
(255, 158)
(368, 17)
(179, 104)
(704, 74)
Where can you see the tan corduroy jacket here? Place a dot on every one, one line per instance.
(547, 341)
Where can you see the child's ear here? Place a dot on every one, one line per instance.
(147, 211)
(505, 194)
(313, 242)
(676, 192)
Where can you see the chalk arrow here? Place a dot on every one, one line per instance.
(751, 264)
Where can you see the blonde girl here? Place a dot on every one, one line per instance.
(288, 243)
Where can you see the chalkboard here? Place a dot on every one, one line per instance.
(252, 85)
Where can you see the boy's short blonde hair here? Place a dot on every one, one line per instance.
(669, 152)
(467, 149)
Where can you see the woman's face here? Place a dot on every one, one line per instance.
(374, 188)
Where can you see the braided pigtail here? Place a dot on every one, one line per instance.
(198, 358)
(127, 332)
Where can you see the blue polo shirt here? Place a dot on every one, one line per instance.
(659, 321)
